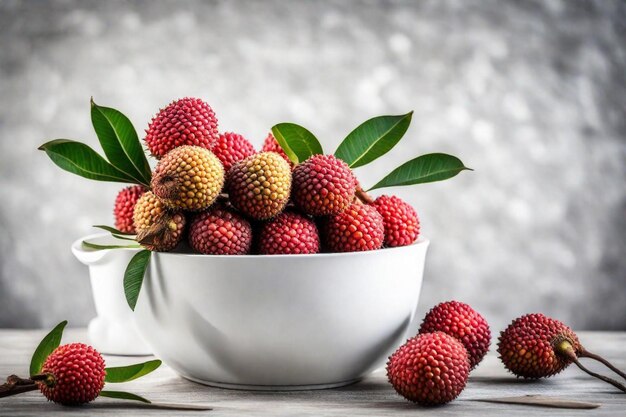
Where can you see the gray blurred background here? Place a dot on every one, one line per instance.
(531, 94)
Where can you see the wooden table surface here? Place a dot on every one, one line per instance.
(371, 397)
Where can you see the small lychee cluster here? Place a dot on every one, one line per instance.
(235, 200)
(462, 322)
(433, 367)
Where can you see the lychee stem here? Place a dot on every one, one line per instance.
(154, 234)
(47, 379)
(16, 385)
(363, 196)
(586, 354)
(565, 348)
(602, 377)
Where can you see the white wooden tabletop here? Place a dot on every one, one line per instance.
(371, 397)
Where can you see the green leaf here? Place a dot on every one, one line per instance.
(121, 395)
(112, 230)
(106, 247)
(47, 345)
(128, 373)
(298, 143)
(372, 139)
(120, 142)
(123, 237)
(133, 277)
(425, 168)
(80, 159)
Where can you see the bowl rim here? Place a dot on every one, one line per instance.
(421, 242)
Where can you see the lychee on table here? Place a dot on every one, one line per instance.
(371, 397)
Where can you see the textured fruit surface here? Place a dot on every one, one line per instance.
(429, 369)
(462, 322)
(323, 185)
(77, 374)
(358, 228)
(188, 178)
(402, 227)
(288, 233)
(188, 121)
(270, 144)
(259, 186)
(231, 148)
(158, 228)
(125, 206)
(220, 232)
(526, 347)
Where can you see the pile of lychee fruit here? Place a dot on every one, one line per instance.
(433, 367)
(228, 199)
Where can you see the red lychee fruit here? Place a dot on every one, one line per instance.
(124, 207)
(527, 346)
(402, 227)
(429, 369)
(288, 233)
(259, 186)
(187, 121)
(231, 148)
(358, 228)
(270, 144)
(220, 232)
(323, 185)
(462, 322)
(74, 374)
(537, 346)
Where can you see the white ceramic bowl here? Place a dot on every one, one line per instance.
(282, 321)
(113, 331)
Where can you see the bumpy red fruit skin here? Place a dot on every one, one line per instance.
(323, 185)
(78, 374)
(231, 148)
(462, 322)
(402, 227)
(124, 206)
(187, 121)
(220, 232)
(259, 186)
(429, 369)
(526, 347)
(358, 228)
(270, 144)
(288, 233)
